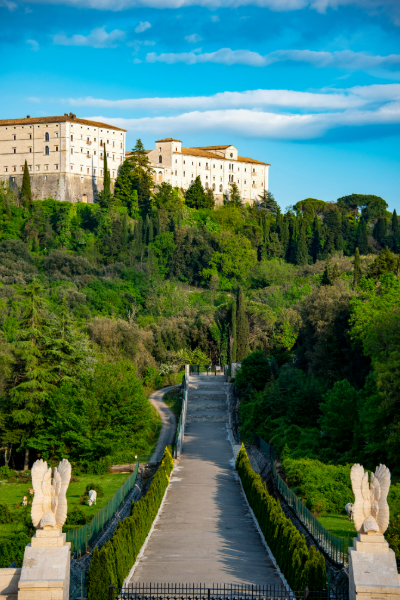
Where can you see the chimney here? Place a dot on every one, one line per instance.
(72, 116)
(28, 116)
(65, 114)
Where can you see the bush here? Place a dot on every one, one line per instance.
(323, 488)
(13, 550)
(97, 487)
(255, 372)
(76, 517)
(302, 567)
(6, 472)
(112, 564)
(5, 514)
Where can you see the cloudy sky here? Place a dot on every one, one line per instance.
(310, 86)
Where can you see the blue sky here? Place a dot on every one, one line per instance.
(310, 86)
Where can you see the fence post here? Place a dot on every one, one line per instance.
(111, 592)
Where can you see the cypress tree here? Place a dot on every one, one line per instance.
(301, 254)
(196, 196)
(234, 344)
(150, 231)
(26, 192)
(242, 328)
(362, 237)
(125, 235)
(123, 190)
(265, 228)
(327, 276)
(316, 239)
(234, 197)
(357, 274)
(396, 232)
(106, 178)
(158, 226)
(380, 231)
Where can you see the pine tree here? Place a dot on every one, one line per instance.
(357, 273)
(242, 328)
(316, 239)
(123, 189)
(142, 176)
(380, 231)
(210, 198)
(396, 232)
(26, 192)
(158, 225)
(234, 196)
(265, 228)
(301, 255)
(234, 334)
(362, 237)
(327, 275)
(267, 202)
(195, 195)
(104, 197)
(125, 234)
(150, 235)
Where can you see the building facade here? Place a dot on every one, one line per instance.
(65, 155)
(217, 166)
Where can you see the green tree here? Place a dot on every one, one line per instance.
(255, 371)
(210, 198)
(234, 196)
(357, 273)
(26, 192)
(124, 191)
(142, 176)
(362, 237)
(301, 256)
(380, 231)
(385, 262)
(104, 197)
(233, 332)
(242, 327)
(196, 196)
(267, 202)
(395, 232)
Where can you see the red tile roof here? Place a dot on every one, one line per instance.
(64, 119)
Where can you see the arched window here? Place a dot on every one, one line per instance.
(160, 159)
(220, 188)
(47, 150)
(46, 136)
(214, 187)
(159, 176)
(206, 186)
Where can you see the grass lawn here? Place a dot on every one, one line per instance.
(12, 493)
(174, 401)
(338, 524)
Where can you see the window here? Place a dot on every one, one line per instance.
(184, 162)
(213, 166)
(214, 187)
(101, 142)
(254, 183)
(176, 160)
(81, 149)
(113, 174)
(30, 149)
(46, 167)
(184, 173)
(14, 137)
(56, 167)
(101, 155)
(221, 166)
(72, 150)
(220, 188)
(88, 171)
(13, 179)
(176, 173)
(15, 150)
(108, 141)
(245, 169)
(37, 167)
(113, 144)
(56, 148)
(46, 137)
(160, 159)
(254, 170)
(22, 168)
(81, 168)
(245, 182)
(87, 139)
(56, 133)
(94, 171)
(238, 180)
(72, 138)
(72, 167)
(206, 165)
(159, 149)
(121, 145)
(101, 172)
(176, 149)
(30, 167)
(14, 169)
(94, 152)
(108, 155)
(94, 140)
(113, 156)
(199, 164)
(47, 150)
(30, 136)
(231, 155)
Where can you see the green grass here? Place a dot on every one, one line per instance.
(338, 524)
(12, 493)
(174, 401)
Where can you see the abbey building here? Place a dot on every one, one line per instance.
(217, 166)
(65, 155)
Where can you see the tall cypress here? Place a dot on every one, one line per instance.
(362, 237)
(106, 178)
(357, 274)
(242, 328)
(301, 254)
(234, 334)
(26, 192)
(396, 232)
(316, 239)
(150, 231)
(158, 226)
(124, 237)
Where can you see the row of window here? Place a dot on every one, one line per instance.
(88, 155)
(46, 150)
(38, 168)
(82, 170)
(102, 143)
(231, 178)
(230, 167)
(46, 136)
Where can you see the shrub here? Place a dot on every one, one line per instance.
(112, 564)
(13, 550)
(76, 517)
(302, 567)
(5, 514)
(255, 372)
(97, 487)
(6, 472)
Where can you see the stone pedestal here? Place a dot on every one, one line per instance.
(46, 568)
(372, 569)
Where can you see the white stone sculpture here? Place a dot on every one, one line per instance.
(49, 505)
(92, 497)
(371, 510)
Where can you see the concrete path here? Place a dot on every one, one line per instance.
(168, 427)
(205, 533)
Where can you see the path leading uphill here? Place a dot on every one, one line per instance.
(205, 533)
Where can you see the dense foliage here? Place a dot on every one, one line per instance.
(302, 567)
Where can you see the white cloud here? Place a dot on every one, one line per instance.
(193, 38)
(11, 6)
(215, 18)
(33, 44)
(143, 25)
(98, 38)
(344, 59)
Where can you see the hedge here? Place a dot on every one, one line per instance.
(113, 562)
(302, 567)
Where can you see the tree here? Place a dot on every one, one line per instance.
(210, 198)
(357, 274)
(255, 371)
(142, 176)
(233, 333)
(396, 232)
(315, 247)
(301, 255)
(195, 195)
(330, 275)
(104, 196)
(124, 191)
(26, 192)
(268, 203)
(385, 262)
(234, 196)
(362, 237)
(242, 327)
(380, 231)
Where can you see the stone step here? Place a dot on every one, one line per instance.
(211, 407)
(214, 397)
(207, 418)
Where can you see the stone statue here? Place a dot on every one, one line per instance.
(49, 505)
(371, 510)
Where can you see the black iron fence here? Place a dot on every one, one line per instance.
(206, 370)
(172, 591)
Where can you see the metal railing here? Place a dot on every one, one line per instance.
(180, 430)
(82, 538)
(207, 369)
(336, 548)
(236, 591)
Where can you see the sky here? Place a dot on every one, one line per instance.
(310, 86)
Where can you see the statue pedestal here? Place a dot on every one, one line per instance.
(372, 569)
(46, 568)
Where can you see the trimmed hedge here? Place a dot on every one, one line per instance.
(113, 562)
(302, 567)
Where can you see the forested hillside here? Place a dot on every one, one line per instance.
(99, 301)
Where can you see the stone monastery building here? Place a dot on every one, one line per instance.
(218, 167)
(65, 157)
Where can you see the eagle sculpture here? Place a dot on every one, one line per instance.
(371, 510)
(49, 505)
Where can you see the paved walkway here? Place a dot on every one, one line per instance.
(205, 533)
(168, 425)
